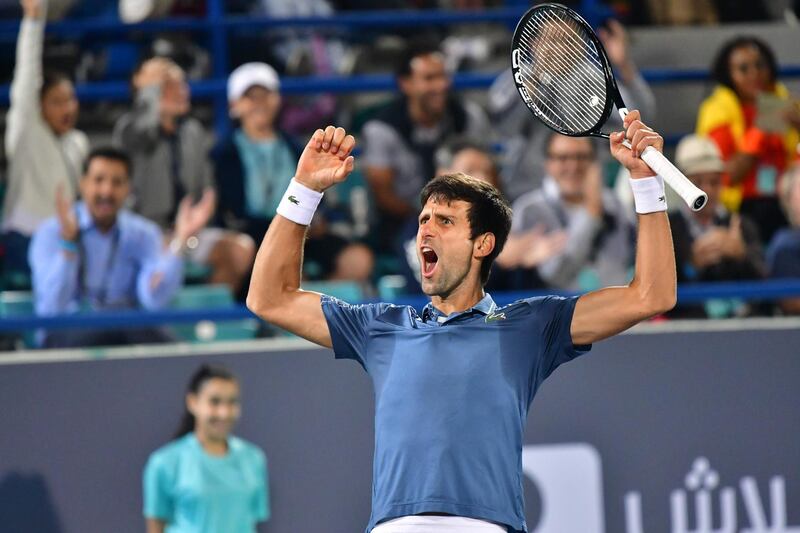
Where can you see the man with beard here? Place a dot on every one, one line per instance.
(402, 138)
(98, 255)
(453, 384)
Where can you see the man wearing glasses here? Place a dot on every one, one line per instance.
(600, 234)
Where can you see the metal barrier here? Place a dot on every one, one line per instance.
(687, 294)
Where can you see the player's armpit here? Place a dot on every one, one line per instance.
(298, 312)
(604, 313)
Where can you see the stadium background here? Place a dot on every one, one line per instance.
(649, 404)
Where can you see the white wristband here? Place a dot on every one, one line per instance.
(649, 195)
(299, 203)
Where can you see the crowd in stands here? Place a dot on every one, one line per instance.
(125, 223)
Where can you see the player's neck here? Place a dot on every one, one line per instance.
(460, 299)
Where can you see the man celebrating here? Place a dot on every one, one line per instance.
(97, 254)
(453, 385)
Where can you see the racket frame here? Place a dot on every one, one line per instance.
(694, 197)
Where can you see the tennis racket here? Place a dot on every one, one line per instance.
(563, 75)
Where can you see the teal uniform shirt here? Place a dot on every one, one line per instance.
(194, 492)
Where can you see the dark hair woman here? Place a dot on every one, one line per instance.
(755, 125)
(207, 480)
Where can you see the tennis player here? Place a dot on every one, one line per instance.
(454, 383)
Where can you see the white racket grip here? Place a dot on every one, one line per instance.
(695, 198)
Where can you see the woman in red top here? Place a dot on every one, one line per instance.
(756, 149)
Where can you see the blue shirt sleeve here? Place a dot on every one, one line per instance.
(554, 316)
(158, 501)
(349, 327)
(161, 274)
(54, 271)
(783, 255)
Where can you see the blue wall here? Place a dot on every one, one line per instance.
(74, 436)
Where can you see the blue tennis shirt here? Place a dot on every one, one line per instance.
(451, 399)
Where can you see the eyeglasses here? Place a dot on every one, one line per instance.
(564, 158)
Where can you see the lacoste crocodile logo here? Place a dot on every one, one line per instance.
(494, 317)
(294, 200)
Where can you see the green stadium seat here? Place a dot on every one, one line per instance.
(205, 297)
(18, 304)
(349, 291)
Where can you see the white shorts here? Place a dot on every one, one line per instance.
(443, 524)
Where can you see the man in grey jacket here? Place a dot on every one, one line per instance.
(170, 161)
(599, 247)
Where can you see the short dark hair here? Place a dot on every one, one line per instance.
(413, 50)
(109, 152)
(445, 154)
(488, 211)
(51, 78)
(721, 70)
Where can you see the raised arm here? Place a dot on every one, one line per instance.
(275, 294)
(27, 80)
(606, 312)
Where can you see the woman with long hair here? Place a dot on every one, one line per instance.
(753, 121)
(207, 480)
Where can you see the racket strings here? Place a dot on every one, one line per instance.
(563, 95)
(562, 72)
(570, 60)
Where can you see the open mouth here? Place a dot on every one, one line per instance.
(429, 261)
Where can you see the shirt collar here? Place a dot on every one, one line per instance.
(85, 220)
(485, 306)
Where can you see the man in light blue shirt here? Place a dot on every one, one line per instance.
(453, 384)
(98, 255)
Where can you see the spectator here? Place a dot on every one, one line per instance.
(170, 160)
(783, 255)
(599, 246)
(711, 244)
(207, 480)
(43, 147)
(400, 141)
(524, 137)
(255, 164)
(757, 143)
(99, 255)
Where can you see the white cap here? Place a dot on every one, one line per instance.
(696, 155)
(250, 74)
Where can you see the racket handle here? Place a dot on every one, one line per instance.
(694, 197)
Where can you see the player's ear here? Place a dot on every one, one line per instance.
(484, 244)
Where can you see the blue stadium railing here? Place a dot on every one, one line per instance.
(687, 294)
